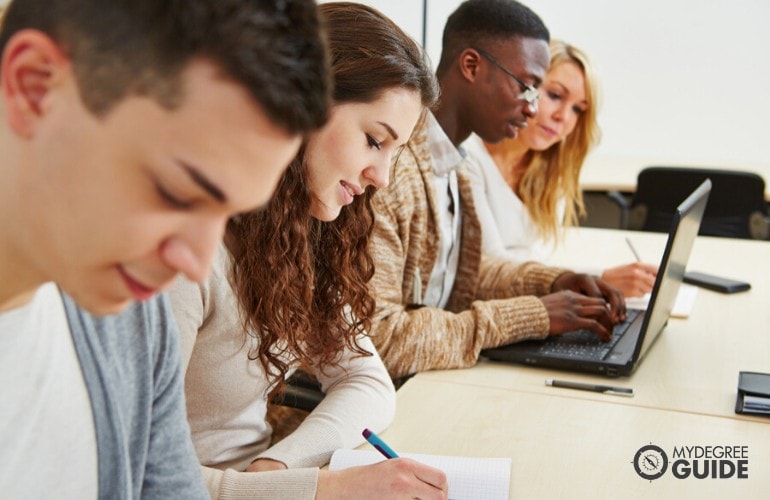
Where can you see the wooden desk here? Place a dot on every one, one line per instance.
(565, 447)
(619, 174)
(574, 444)
(693, 366)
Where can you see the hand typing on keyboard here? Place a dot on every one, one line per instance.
(584, 344)
(569, 311)
(583, 302)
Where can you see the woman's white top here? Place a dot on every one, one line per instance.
(507, 228)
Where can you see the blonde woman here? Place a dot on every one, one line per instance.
(527, 189)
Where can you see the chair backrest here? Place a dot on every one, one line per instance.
(735, 198)
(607, 209)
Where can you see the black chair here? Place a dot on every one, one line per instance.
(736, 206)
(605, 209)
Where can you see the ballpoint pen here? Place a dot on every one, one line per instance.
(379, 444)
(631, 246)
(605, 389)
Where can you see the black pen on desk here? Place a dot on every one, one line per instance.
(631, 246)
(379, 444)
(605, 389)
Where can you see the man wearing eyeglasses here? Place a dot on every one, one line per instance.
(439, 300)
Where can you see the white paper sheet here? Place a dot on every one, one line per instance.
(468, 477)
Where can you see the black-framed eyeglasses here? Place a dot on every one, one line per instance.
(528, 93)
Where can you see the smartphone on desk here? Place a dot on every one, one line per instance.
(716, 283)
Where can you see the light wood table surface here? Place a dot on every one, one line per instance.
(693, 366)
(572, 448)
(575, 444)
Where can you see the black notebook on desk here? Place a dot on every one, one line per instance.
(583, 350)
(753, 394)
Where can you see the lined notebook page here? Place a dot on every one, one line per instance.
(469, 478)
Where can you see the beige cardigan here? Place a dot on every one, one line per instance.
(480, 312)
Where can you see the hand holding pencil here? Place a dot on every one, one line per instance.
(392, 478)
(635, 279)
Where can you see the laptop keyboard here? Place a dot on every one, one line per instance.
(585, 344)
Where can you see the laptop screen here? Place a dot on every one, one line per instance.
(684, 229)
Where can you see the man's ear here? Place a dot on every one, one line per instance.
(469, 64)
(32, 65)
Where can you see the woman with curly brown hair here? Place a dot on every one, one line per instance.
(289, 289)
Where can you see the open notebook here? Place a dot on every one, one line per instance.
(685, 300)
(469, 478)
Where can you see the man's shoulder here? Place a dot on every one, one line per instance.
(143, 329)
(125, 357)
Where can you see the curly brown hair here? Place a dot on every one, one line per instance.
(302, 283)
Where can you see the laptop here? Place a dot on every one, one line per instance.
(582, 350)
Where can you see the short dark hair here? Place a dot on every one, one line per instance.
(274, 49)
(475, 22)
(371, 54)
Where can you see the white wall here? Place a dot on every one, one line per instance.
(683, 81)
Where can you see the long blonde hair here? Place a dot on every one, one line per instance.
(552, 176)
